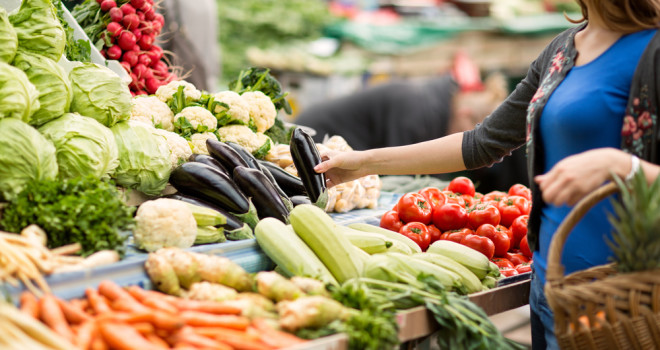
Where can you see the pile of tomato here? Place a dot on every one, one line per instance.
(494, 223)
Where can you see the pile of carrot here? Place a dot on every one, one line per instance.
(113, 317)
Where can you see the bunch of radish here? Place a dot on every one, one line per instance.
(127, 32)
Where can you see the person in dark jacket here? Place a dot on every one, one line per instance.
(586, 110)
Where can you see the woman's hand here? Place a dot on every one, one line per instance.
(576, 176)
(340, 167)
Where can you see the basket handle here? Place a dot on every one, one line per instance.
(555, 269)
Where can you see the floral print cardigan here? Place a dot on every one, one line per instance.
(515, 122)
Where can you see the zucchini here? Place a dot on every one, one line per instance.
(208, 160)
(469, 279)
(289, 252)
(210, 184)
(305, 157)
(209, 234)
(466, 256)
(369, 242)
(233, 224)
(317, 229)
(206, 216)
(291, 185)
(414, 247)
(262, 192)
(224, 154)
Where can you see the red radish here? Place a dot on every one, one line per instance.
(145, 42)
(106, 5)
(147, 74)
(126, 41)
(140, 16)
(103, 53)
(141, 92)
(114, 29)
(138, 34)
(99, 1)
(113, 52)
(144, 59)
(136, 48)
(131, 57)
(131, 21)
(152, 85)
(139, 70)
(137, 3)
(126, 65)
(127, 9)
(146, 27)
(116, 15)
(159, 18)
(156, 27)
(161, 70)
(155, 53)
(149, 13)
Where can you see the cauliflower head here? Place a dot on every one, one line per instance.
(180, 149)
(164, 222)
(166, 92)
(262, 109)
(257, 143)
(199, 142)
(236, 111)
(199, 118)
(151, 110)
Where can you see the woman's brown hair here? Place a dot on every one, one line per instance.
(624, 15)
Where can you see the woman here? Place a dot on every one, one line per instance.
(586, 110)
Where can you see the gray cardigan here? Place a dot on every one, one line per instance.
(515, 122)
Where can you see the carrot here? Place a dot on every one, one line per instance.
(97, 302)
(53, 316)
(186, 335)
(144, 328)
(212, 307)
(127, 304)
(112, 290)
(237, 339)
(157, 341)
(274, 337)
(29, 304)
(140, 294)
(123, 336)
(159, 304)
(166, 321)
(98, 343)
(196, 318)
(85, 335)
(72, 314)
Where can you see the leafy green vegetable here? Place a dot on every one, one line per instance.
(75, 50)
(8, 38)
(19, 98)
(84, 210)
(260, 79)
(38, 29)
(25, 155)
(279, 132)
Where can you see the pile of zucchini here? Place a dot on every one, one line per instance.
(245, 189)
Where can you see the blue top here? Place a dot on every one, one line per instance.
(585, 112)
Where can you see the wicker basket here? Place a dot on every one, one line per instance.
(599, 308)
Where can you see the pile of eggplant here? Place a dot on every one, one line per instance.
(245, 189)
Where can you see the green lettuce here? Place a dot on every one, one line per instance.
(38, 29)
(83, 146)
(19, 98)
(98, 92)
(52, 82)
(25, 155)
(144, 157)
(8, 38)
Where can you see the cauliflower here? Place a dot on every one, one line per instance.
(180, 149)
(262, 109)
(164, 222)
(257, 143)
(151, 110)
(237, 110)
(199, 142)
(166, 92)
(200, 119)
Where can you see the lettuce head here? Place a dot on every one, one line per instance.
(38, 29)
(83, 146)
(8, 38)
(19, 98)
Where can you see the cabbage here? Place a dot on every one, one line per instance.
(25, 155)
(83, 146)
(19, 98)
(7, 38)
(100, 93)
(38, 29)
(52, 82)
(144, 158)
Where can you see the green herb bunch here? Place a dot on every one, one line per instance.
(84, 210)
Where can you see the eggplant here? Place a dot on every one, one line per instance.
(209, 184)
(305, 157)
(224, 154)
(298, 200)
(208, 160)
(262, 192)
(249, 159)
(290, 184)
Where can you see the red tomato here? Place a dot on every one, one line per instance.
(483, 214)
(450, 216)
(512, 207)
(462, 185)
(495, 196)
(524, 247)
(507, 231)
(524, 267)
(503, 262)
(519, 230)
(434, 232)
(516, 258)
(469, 200)
(434, 196)
(520, 190)
(508, 272)
(414, 207)
(452, 197)
(391, 221)
(456, 235)
(418, 232)
(480, 243)
(499, 238)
